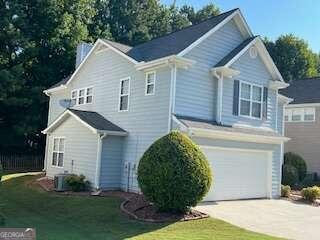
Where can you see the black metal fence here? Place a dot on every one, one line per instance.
(21, 162)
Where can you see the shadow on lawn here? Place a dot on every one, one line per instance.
(56, 216)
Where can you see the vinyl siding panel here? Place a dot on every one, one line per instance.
(280, 116)
(253, 70)
(111, 162)
(55, 107)
(196, 88)
(147, 118)
(305, 141)
(80, 146)
(276, 169)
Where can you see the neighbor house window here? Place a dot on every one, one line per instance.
(82, 96)
(150, 83)
(300, 115)
(250, 100)
(124, 94)
(58, 151)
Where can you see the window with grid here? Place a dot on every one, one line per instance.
(150, 83)
(124, 94)
(82, 96)
(58, 151)
(250, 100)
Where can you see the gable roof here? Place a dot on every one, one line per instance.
(303, 91)
(93, 120)
(224, 61)
(175, 43)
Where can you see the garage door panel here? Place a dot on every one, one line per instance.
(237, 174)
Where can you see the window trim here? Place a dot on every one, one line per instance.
(148, 84)
(54, 151)
(77, 90)
(302, 119)
(122, 95)
(251, 100)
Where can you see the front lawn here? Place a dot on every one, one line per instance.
(71, 217)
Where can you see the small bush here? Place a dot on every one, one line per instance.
(77, 183)
(311, 193)
(298, 162)
(290, 175)
(285, 190)
(174, 174)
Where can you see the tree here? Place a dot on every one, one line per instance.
(38, 37)
(194, 17)
(293, 57)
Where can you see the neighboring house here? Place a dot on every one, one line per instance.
(214, 81)
(302, 121)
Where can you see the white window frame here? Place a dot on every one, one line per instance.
(58, 151)
(250, 100)
(289, 112)
(123, 95)
(76, 98)
(148, 84)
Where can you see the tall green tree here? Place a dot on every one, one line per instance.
(204, 13)
(37, 50)
(293, 57)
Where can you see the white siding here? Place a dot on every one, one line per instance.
(80, 146)
(147, 118)
(55, 108)
(253, 70)
(196, 88)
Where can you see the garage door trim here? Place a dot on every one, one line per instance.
(269, 170)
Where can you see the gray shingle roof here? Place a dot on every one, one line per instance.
(303, 91)
(96, 121)
(169, 44)
(212, 125)
(234, 52)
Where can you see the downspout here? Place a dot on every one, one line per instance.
(98, 162)
(172, 94)
(219, 97)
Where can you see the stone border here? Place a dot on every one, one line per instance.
(150, 220)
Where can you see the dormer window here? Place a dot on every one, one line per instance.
(82, 96)
(150, 83)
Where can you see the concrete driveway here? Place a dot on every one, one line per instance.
(279, 218)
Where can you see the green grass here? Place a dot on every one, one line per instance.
(70, 217)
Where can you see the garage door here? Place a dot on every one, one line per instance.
(238, 174)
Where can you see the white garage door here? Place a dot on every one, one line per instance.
(238, 174)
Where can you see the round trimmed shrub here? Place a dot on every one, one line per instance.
(174, 174)
(290, 175)
(298, 162)
(285, 190)
(311, 193)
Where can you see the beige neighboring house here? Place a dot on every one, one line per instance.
(302, 121)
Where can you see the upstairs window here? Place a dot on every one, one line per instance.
(82, 96)
(124, 94)
(150, 83)
(300, 115)
(250, 100)
(58, 151)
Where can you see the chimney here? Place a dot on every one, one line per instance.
(82, 50)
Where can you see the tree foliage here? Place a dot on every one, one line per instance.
(293, 57)
(37, 49)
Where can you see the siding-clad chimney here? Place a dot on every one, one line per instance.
(82, 51)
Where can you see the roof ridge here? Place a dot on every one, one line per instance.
(192, 25)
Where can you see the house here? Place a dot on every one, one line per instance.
(215, 81)
(302, 121)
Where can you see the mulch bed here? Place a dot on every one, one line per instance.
(296, 197)
(135, 205)
(141, 209)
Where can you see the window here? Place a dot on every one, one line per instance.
(250, 100)
(124, 94)
(82, 96)
(58, 152)
(150, 83)
(299, 115)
